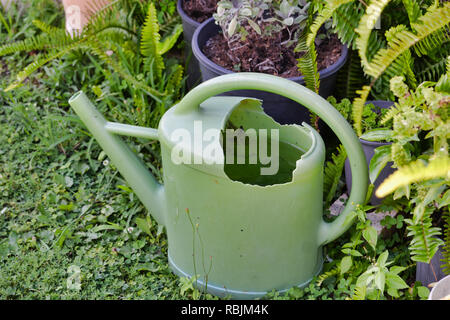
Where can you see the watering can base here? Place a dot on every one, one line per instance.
(222, 292)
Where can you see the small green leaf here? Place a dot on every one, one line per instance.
(380, 280)
(346, 264)
(423, 292)
(379, 160)
(371, 236)
(103, 227)
(395, 282)
(232, 27)
(396, 269)
(352, 252)
(380, 134)
(255, 26)
(381, 262)
(144, 225)
(67, 207)
(288, 21)
(68, 181)
(169, 41)
(150, 267)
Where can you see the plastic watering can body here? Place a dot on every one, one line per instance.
(236, 238)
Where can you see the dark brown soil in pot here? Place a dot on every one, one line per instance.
(267, 54)
(199, 10)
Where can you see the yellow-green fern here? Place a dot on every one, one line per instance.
(415, 172)
(428, 30)
(365, 27)
(324, 15)
(150, 41)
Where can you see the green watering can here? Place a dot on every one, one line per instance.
(237, 234)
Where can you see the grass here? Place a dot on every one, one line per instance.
(63, 207)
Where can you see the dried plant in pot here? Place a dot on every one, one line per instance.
(261, 36)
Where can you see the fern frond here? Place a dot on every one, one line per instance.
(390, 114)
(430, 23)
(174, 81)
(97, 49)
(325, 275)
(428, 69)
(443, 84)
(359, 293)
(43, 41)
(150, 39)
(333, 173)
(169, 41)
(404, 64)
(358, 107)
(415, 172)
(32, 67)
(324, 15)
(307, 64)
(345, 21)
(50, 30)
(412, 9)
(425, 242)
(365, 27)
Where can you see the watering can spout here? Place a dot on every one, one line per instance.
(143, 183)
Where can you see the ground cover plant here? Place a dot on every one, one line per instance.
(71, 228)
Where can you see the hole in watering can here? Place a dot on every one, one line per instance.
(247, 166)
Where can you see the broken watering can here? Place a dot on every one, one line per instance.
(238, 232)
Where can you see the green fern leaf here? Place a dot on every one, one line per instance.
(413, 9)
(365, 27)
(97, 49)
(325, 14)
(430, 23)
(424, 243)
(358, 108)
(429, 69)
(415, 172)
(359, 293)
(332, 174)
(150, 39)
(169, 41)
(345, 21)
(32, 67)
(174, 81)
(55, 40)
(307, 64)
(51, 30)
(325, 275)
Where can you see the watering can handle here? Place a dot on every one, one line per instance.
(315, 103)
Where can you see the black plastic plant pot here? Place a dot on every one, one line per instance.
(431, 272)
(369, 150)
(281, 109)
(189, 27)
